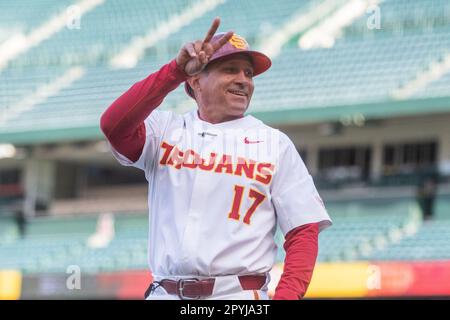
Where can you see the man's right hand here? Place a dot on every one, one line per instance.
(194, 56)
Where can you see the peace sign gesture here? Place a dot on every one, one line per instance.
(194, 56)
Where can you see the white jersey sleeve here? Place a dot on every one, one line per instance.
(155, 126)
(294, 194)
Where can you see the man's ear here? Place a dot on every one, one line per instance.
(194, 82)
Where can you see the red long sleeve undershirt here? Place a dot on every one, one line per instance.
(123, 125)
(123, 122)
(301, 246)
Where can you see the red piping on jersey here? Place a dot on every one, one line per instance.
(123, 121)
(301, 246)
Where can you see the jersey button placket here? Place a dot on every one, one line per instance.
(192, 235)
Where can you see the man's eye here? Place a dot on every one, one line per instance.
(249, 73)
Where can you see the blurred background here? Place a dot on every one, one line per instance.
(361, 87)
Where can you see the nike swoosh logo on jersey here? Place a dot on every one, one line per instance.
(246, 141)
(202, 134)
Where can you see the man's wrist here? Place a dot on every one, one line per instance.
(285, 294)
(179, 71)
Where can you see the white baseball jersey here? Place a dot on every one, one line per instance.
(217, 191)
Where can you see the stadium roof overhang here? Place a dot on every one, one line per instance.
(294, 116)
(383, 109)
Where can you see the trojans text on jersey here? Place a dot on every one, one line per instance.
(218, 163)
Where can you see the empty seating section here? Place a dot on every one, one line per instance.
(362, 230)
(356, 225)
(18, 83)
(351, 73)
(431, 242)
(398, 16)
(86, 98)
(436, 89)
(53, 244)
(442, 207)
(108, 28)
(421, 20)
(359, 224)
(8, 230)
(359, 233)
(364, 65)
(103, 32)
(247, 18)
(23, 16)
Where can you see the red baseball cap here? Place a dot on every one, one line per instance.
(236, 44)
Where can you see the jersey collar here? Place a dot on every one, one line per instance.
(245, 122)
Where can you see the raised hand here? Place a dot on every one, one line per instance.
(194, 56)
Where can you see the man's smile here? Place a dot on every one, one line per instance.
(238, 93)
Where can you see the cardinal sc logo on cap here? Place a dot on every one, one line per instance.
(238, 42)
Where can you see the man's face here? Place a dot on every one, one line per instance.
(225, 88)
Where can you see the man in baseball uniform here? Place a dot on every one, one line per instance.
(219, 180)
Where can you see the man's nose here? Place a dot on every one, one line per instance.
(241, 78)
